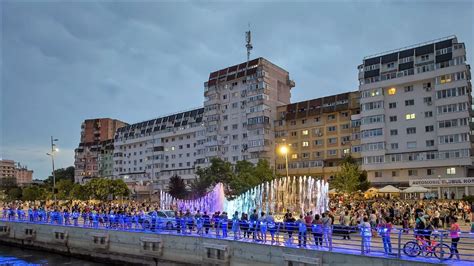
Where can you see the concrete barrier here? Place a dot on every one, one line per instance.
(169, 249)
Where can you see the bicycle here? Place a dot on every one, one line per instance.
(428, 247)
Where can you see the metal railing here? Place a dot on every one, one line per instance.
(403, 243)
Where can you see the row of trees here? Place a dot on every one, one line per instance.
(66, 189)
(244, 175)
(236, 178)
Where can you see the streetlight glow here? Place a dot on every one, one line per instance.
(284, 150)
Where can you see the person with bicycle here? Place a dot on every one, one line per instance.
(420, 224)
(454, 231)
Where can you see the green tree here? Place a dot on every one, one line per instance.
(118, 188)
(34, 193)
(177, 188)
(79, 192)
(98, 188)
(14, 193)
(364, 183)
(64, 188)
(347, 178)
(62, 174)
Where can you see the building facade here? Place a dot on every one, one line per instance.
(317, 133)
(150, 152)
(240, 107)
(416, 115)
(11, 169)
(96, 135)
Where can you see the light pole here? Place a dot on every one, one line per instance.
(284, 150)
(54, 149)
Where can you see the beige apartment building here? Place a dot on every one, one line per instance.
(9, 169)
(318, 134)
(240, 107)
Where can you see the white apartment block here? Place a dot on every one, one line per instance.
(240, 107)
(416, 116)
(152, 151)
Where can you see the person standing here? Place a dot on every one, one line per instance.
(327, 230)
(317, 229)
(207, 222)
(301, 231)
(366, 234)
(454, 231)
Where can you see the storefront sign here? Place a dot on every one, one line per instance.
(452, 182)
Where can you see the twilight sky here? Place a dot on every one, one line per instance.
(62, 63)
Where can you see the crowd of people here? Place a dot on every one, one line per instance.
(346, 216)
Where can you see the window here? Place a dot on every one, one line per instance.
(430, 143)
(372, 106)
(393, 132)
(392, 91)
(331, 117)
(451, 171)
(429, 128)
(411, 130)
(394, 146)
(427, 100)
(411, 144)
(318, 142)
(393, 118)
(332, 140)
(345, 126)
(394, 173)
(378, 174)
(391, 65)
(430, 171)
(425, 57)
(372, 133)
(305, 132)
(294, 156)
(410, 116)
(429, 114)
(331, 128)
(412, 172)
(303, 121)
(305, 144)
(332, 152)
(408, 88)
(392, 105)
(294, 133)
(409, 102)
(235, 126)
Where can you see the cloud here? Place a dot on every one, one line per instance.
(63, 62)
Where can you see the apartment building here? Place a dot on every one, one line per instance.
(11, 169)
(416, 117)
(317, 133)
(150, 152)
(240, 107)
(92, 157)
(7, 168)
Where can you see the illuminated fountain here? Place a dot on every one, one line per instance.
(299, 194)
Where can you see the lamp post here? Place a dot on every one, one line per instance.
(54, 149)
(284, 150)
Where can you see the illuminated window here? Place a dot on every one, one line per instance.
(409, 116)
(451, 171)
(305, 132)
(392, 91)
(445, 79)
(294, 156)
(305, 143)
(172, 148)
(346, 151)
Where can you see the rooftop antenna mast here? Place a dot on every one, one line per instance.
(248, 39)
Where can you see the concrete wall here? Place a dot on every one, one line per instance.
(165, 249)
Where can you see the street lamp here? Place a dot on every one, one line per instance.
(54, 149)
(284, 151)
